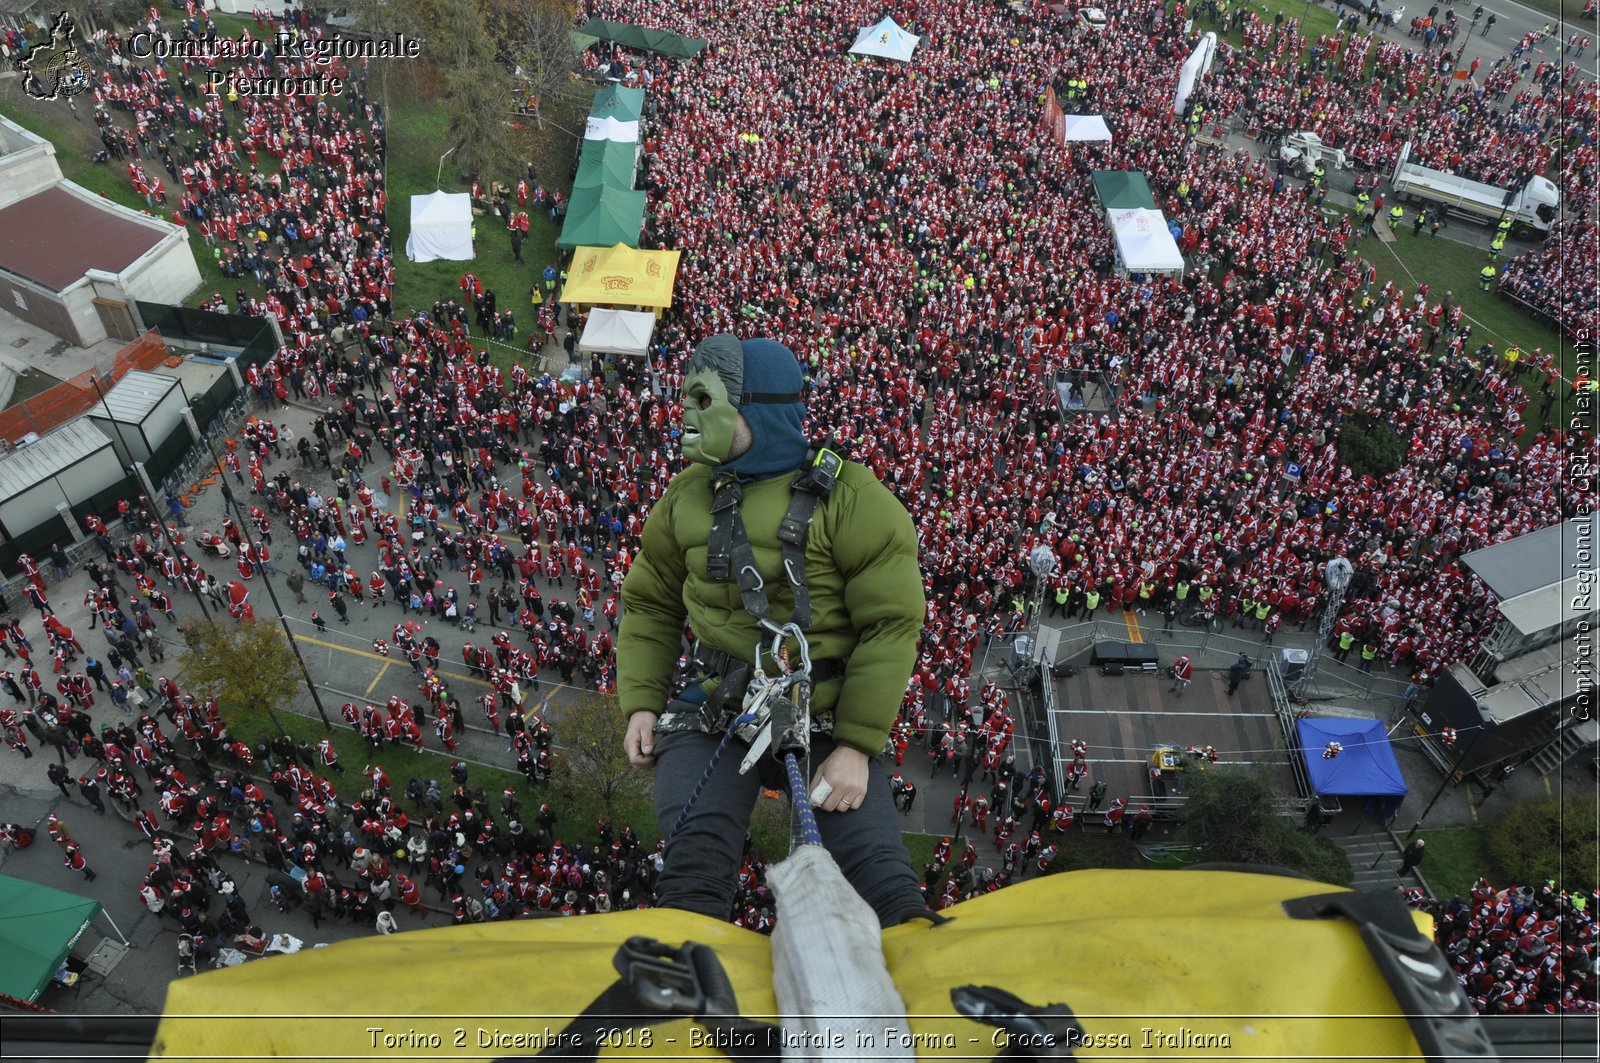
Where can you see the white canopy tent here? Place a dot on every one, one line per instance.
(885, 40)
(1144, 245)
(618, 332)
(441, 227)
(1080, 127)
(611, 128)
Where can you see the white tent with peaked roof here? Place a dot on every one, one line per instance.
(618, 332)
(441, 227)
(885, 40)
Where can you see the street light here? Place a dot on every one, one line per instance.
(438, 177)
(230, 498)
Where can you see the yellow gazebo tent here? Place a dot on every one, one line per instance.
(621, 276)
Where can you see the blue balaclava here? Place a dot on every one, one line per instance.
(761, 380)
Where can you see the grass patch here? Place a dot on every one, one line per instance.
(1450, 266)
(1456, 857)
(418, 134)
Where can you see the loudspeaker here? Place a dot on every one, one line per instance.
(1111, 669)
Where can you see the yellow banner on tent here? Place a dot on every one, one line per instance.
(621, 276)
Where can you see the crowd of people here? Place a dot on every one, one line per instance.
(939, 265)
(1556, 279)
(1522, 950)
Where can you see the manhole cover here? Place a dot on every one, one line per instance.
(22, 341)
(106, 956)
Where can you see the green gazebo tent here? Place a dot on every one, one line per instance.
(1123, 190)
(38, 927)
(615, 101)
(602, 216)
(606, 163)
(650, 40)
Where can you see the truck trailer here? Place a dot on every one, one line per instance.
(1532, 208)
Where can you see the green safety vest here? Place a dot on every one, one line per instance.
(1062, 594)
(1397, 213)
(1182, 591)
(1247, 605)
(1346, 641)
(1369, 652)
(1145, 589)
(1487, 273)
(1205, 593)
(1263, 610)
(1091, 601)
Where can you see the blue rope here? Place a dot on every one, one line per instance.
(809, 834)
(705, 776)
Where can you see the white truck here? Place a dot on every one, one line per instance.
(1533, 208)
(1302, 152)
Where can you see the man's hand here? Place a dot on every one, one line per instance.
(640, 739)
(840, 783)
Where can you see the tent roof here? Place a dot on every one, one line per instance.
(1123, 190)
(1084, 127)
(886, 40)
(603, 216)
(618, 102)
(1366, 768)
(611, 128)
(606, 162)
(621, 276)
(618, 332)
(38, 927)
(650, 40)
(1144, 241)
(441, 210)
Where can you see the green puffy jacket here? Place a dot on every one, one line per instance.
(861, 568)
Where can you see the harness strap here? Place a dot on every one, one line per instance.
(719, 545)
(793, 530)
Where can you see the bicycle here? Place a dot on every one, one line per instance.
(1201, 618)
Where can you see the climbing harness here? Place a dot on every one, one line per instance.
(776, 718)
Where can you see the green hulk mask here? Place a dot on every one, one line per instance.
(708, 418)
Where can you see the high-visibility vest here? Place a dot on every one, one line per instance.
(1182, 591)
(1369, 652)
(1145, 590)
(1262, 610)
(1091, 601)
(1205, 593)
(1061, 595)
(1346, 641)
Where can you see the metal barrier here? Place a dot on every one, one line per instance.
(1214, 649)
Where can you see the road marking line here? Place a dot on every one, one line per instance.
(378, 677)
(1134, 634)
(452, 677)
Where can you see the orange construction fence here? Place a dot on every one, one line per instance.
(59, 404)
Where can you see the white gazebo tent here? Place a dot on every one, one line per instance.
(611, 128)
(1144, 245)
(1083, 127)
(441, 227)
(618, 332)
(885, 40)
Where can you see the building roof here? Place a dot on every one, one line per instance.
(133, 397)
(54, 451)
(53, 237)
(1537, 560)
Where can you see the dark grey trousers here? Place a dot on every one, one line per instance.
(702, 862)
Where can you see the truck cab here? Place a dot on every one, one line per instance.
(1303, 151)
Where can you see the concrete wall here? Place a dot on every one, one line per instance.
(74, 320)
(167, 273)
(27, 163)
(28, 509)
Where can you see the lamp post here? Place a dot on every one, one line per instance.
(438, 177)
(231, 499)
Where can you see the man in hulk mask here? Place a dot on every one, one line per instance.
(713, 555)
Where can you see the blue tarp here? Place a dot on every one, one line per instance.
(1366, 767)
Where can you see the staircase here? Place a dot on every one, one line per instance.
(1568, 743)
(1375, 846)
